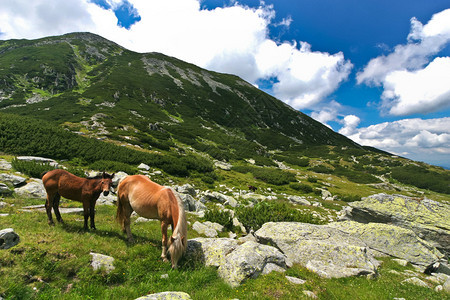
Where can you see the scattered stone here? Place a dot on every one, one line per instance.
(5, 165)
(222, 165)
(401, 262)
(269, 268)
(166, 296)
(110, 200)
(446, 286)
(253, 196)
(210, 252)
(100, 261)
(143, 166)
(299, 200)
(33, 189)
(415, 281)
(295, 280)
(248, 261)
(8, 238)
(218, 197)
(37, 159)
(164, 276)
(310, 294)
(12, 179)
(201, 228)
(4, 190)
(188, 202)
(117, 178)
(186, 189)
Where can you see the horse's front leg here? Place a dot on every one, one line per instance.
(164, 226)
(92, 213)
(86, 213)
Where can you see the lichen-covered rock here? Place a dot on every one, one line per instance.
(5, 165)
(248, 261)
(8, 238)
(188, 202)
(12, 179)
(299, 200)
(210, 252)
(415, 281)
(392, 240)
(100, 261)
(33, 189)
(5, 190)
(166, 296)
(208, 229)
(324, 250)
(220, 198)
(427, 218)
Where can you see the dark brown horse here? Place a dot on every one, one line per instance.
(59, 183)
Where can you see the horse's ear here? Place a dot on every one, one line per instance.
(103, 174)
(112, 175)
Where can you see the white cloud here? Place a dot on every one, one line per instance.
(350, 123)
(232, 39)
(426, 140)
(413, 84)
(327, 113)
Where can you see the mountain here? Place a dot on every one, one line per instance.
(89, 84)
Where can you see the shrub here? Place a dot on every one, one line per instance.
(349, 198)
(263, 212)
(268, 175)
(224, 218)
(31, 168)
(321, 169)
(422, 178)
(312, 179)
(112, 166)
(301, 187)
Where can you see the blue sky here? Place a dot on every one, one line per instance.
(375, 71)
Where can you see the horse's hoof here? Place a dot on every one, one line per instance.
(51, 223)
(164, 259)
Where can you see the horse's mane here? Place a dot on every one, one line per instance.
(99, 176)
(179, 244)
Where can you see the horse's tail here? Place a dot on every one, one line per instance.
(179, 236)
(120, 215)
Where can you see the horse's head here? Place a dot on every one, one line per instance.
(106, 183)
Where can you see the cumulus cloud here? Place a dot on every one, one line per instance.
(413, 84)
(231, 39)
(350, 123)
(426, 140)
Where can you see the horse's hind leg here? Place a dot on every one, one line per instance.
(86, 214)
(92, 213)
(56, 200)
(48, 208)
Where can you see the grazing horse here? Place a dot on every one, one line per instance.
(153, 201)
(59, 183)
(252, 188)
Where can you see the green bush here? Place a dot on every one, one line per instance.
(301, 187)
(112, 167)
(349, 198)
(312, 179)
(422, 178)
(224, 218)
(263, 212)
(268, 175)
(321, 169)
(31, 168)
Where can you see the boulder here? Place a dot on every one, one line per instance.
(144, 167)
(12, 179)
(220, 198)
(253, 196)
(186, 189)
(8, 238)
(427, 218)
(249, 261)
(298, 200)
(4, 165)
(166, 296)
(37, 159)
(111, 199)
(100, 261)
(327, 251)
(392, 240)
(222, 165)
(210, 252)
(205, 229)
(5, 190)
(33, 189)
(117, 178)
(415, 281)
(188, 202)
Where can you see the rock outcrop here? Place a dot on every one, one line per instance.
(427, 218)
(8, 238)
(324, 250)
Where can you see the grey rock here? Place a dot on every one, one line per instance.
(269, 268)
(101, 261)
(299, 200)
(37, 159)
(415, 281)
(5, 190)
(392, 240)
(324, 250)
(186, 189)
(446, 286)
(427, 218)
(295, 280)
(188, 202)
(8, 238)
(210, 251)
(201, 228)
(310, 294)
(248, 261)
(144, 167)
(33, 189)
(166, 296)
(5, 165)
(12, 179)
(223, 165)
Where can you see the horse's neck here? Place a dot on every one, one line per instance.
(95, 185)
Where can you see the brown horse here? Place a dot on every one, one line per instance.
(153, 201)
(59, 183)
